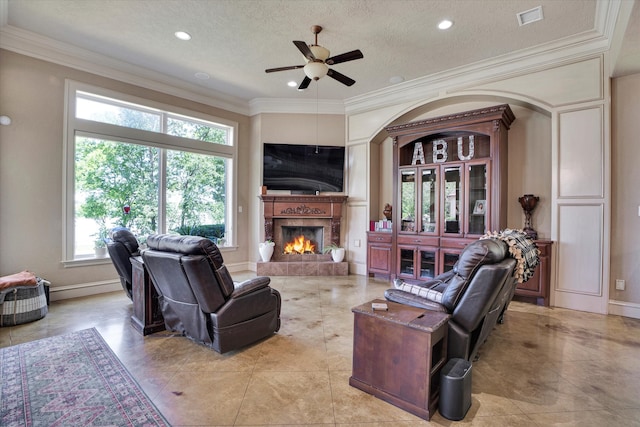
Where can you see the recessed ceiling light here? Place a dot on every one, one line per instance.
(292, 84)
(202, 76)
(396, 79)
(445, 24)
(182, 35)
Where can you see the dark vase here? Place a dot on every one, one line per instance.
(528, 203)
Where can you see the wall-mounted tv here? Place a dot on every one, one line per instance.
(303, 169)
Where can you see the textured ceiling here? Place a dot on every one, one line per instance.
(234, 41)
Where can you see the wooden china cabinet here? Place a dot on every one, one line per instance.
(450, 188)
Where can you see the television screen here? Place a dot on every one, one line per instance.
(303, 169)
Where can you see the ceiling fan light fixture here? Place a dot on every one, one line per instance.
(319, 52)
(316, 70)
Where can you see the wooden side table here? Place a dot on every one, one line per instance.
(398, 355)
(147, 317)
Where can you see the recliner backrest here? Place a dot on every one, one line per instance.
(475, 255)
(482, 291)
(199, 264)
(122, 247)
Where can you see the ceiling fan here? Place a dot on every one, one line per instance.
(318, 61)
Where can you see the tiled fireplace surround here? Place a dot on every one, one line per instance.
(294, 211)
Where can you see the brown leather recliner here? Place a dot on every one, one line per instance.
(122, 246)
(199, 299)
(476, 292)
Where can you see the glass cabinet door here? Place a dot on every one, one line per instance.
(452, 193)
(408, 200)
(427, 263)
(407, 262)
(477, 199)
(429, 205)
(448, 260)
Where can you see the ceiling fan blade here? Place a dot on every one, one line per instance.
(292, 67)
(340, 77)
(304, 48)
(305, 83)
(344, 57)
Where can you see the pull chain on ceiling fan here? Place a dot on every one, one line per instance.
(318, 61)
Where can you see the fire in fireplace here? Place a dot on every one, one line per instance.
(300, 245)
(302, 239)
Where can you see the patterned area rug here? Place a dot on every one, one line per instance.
(70, 380)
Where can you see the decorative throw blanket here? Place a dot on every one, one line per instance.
(521, 248)
(24, 278)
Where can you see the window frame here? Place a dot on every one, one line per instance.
(82, 127)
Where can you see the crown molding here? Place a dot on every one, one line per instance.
(299, 106)
(506, 66)
(30, 44)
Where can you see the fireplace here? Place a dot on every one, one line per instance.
(302, 239)
(316, 219)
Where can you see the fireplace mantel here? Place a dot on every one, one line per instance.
(303, 206)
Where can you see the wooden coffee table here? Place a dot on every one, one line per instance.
(398, 355)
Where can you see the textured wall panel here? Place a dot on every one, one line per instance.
(580, 229)
(581, 154)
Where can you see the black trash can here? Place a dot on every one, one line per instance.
(455, 389)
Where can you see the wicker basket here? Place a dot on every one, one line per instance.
(23, 304)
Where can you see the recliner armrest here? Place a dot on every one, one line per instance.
(407, 298)
(249, 286)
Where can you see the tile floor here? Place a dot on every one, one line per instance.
(542, 367)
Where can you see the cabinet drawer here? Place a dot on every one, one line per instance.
(417, 240)
(379, 238)
(455, 243)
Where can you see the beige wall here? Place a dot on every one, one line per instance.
(31, 159)
(31, 168)
(321, 129)
(625, 160)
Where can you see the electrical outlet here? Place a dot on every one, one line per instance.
(619, 285)
(356, 243)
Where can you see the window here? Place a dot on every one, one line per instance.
(147, 167)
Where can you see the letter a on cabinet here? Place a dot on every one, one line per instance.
(418, 154)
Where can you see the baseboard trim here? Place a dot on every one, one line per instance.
(623, 308)
(58, 293)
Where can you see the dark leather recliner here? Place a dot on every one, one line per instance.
(476, 292)
(199, 299)
(122, 246)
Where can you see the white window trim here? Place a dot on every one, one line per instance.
(74, 126)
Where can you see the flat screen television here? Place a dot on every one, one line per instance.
(303, 169)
